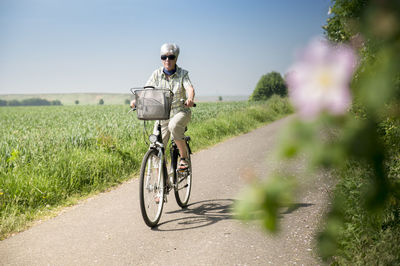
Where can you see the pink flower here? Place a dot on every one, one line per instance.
(319, 80)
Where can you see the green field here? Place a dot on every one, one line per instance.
(51, 156)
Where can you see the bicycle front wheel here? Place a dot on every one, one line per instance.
(151, 188)
(183, 183)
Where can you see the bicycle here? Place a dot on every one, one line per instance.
(155, 180)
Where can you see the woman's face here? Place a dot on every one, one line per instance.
(168, 63)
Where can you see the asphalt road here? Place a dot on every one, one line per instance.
(108, 229)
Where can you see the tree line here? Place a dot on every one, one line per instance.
(29, 102)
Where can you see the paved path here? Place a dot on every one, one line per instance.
(108, 228)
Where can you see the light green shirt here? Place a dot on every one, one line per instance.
(176, 83)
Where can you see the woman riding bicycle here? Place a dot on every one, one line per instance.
(171, 76)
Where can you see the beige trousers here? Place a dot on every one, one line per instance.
(175, 126)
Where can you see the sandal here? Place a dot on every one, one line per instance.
(183, 164)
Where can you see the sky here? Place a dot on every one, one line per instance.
(110, 46)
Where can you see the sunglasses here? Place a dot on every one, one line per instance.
(170, 57)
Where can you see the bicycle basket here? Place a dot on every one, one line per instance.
(153, 104)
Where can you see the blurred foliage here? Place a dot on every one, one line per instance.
(263, 201)
(268, 85)
(370, 202)
(362, 147)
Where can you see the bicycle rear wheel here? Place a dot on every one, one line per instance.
(151, 188)
(183, 183)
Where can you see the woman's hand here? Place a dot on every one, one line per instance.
(189, 103)
(133, 104)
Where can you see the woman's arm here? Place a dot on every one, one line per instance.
(190, 96)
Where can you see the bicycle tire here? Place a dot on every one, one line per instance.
(183, 183)
(151, 188)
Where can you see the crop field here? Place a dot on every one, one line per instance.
(54, 154)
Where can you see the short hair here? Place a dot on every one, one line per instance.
(169, 48)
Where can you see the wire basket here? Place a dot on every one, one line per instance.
(153, 103)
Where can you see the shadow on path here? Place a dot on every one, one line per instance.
(208, 212)
(199, 214)
(297, 206)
